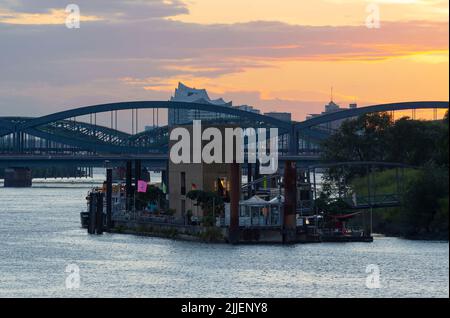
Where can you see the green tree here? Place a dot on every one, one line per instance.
(414, 142)
(211, 204)
(361, 139)
(153, 195)
(425, 207)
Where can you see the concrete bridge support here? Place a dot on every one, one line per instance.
(18, 177)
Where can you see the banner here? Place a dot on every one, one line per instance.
(142, 186)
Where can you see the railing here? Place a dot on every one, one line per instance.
(354, 232)
(256, 221)
(143, 217)
(374, 201)
(305, 207)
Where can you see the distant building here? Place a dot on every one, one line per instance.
(332, 107)
(248, 108)
(280, 115)
(191, 95)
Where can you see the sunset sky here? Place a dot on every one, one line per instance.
(281, 55)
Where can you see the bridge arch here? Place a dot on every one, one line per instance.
(153, 105)
(32, 126)
(349, 113)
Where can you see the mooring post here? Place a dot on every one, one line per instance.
(109, 198)
(137, 172)
(233, 233)
(99, 214)
(92, 213)
(128, 189)
(290, 202)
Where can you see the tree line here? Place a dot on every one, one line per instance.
(423, 145)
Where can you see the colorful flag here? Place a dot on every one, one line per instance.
(194, 186)
(142, 186)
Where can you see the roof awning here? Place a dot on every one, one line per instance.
(254, 201)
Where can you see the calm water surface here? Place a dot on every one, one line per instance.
(40, 235)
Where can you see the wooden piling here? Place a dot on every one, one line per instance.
(290, 202)
(235, 193)
(109, 198)
(92, 213)
(99, 214)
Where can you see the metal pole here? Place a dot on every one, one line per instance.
(132, 121)
(137, 120)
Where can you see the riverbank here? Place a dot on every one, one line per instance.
(221, 235)
(172, 231)
(216, 235)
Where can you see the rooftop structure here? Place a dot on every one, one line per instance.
(187, 94)
(192, 95)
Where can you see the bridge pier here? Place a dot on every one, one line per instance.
(18, 177)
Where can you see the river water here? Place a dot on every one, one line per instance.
(40, 236)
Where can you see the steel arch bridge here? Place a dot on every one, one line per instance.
(62, 133)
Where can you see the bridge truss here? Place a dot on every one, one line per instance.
(62, 134)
